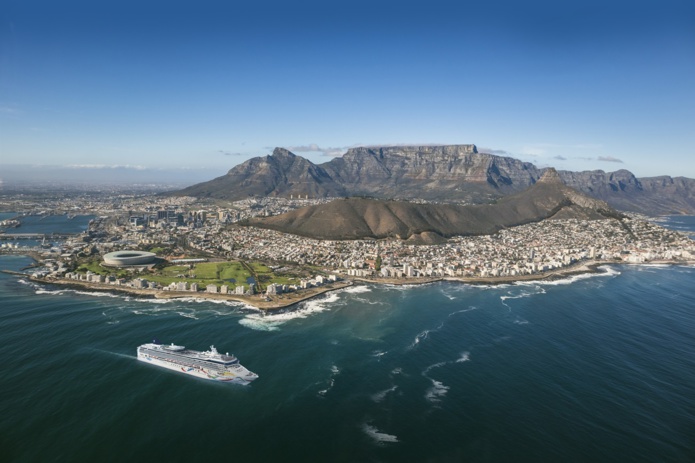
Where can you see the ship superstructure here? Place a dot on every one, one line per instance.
(209, 364)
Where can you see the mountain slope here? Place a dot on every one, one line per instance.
(357, 218)
(282, 173)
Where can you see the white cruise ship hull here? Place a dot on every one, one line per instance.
(231, 374)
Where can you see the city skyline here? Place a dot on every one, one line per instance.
(578, 86)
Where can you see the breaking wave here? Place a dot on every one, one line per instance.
(263, 321)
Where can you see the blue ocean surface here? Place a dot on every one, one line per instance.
(595, 367)
(52, 224)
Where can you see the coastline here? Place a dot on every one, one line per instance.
(282, 301)
(578, 269)
(260, 302)
(581, 268)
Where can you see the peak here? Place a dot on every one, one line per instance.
(282, 152)
(550, 176)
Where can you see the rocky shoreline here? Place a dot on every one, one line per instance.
(282, 301)
(261, 302)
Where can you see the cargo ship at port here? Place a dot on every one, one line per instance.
(209, 364)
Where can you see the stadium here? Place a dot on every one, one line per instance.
(129, 258)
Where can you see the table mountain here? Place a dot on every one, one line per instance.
(444, 173)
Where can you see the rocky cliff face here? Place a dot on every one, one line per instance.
(427, 171)
(451, 172)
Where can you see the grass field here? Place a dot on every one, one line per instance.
(219, 273)
(94, 266)
(205, 273)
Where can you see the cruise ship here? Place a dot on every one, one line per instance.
(208, 365)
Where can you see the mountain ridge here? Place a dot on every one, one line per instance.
(445, 172)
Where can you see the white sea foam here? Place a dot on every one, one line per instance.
(397, 371)
(45, 291)
(423, 335)
(378, 353)
(431, 367)
(98, 294)
(368, 301)
(377, 435)
(272, 321)
(437, 391)
(470, 308)
(465, 357)
(142, 312)
(357, 289)
(112, 320)
(323, 392)
(419, 337)
(400, 287)
(151, 301)
(259, 324)
(335, 371)
(528, 291)
(606, 271)
(379, 396)
(58, 292)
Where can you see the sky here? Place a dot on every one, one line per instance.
(198, 87)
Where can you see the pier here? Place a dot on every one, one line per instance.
(36, 236)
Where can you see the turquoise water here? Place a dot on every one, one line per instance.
(592, 368)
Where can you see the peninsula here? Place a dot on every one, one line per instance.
(274, 252)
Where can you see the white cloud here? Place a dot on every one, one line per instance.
(609, 159)
(325, 151)
(496, 152)
(104, 166)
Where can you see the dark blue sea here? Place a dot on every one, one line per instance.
(593, 368)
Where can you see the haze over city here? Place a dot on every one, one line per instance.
(181, 92)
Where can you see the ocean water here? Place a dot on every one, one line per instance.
(591, 368)
(52, 224)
